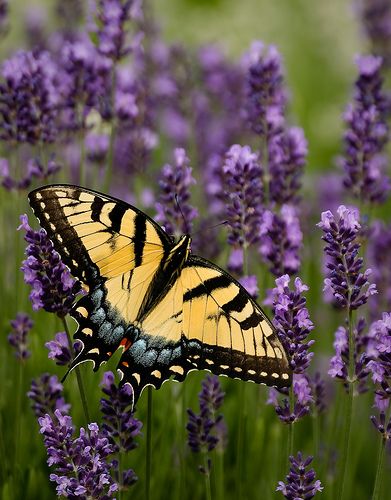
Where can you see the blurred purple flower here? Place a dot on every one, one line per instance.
(46, 394)
(35, 170)
(207, 429)
(120, 426)
(53, 287)
(329, 191)
(81, 464)
(376, 19)
(266, 96)
(29, 99)
(113, 16)
(345, 279)
(21, 326)
(281, 240)
(97, 146)
(367, 134)
(340, 361)
(379, 259)
(287, 153)
(243, 188)
(173, 201)
(250, 283)
(300, 482)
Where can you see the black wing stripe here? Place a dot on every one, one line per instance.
(116, 216)
(207, 287)
(139, 238)
(96, 208)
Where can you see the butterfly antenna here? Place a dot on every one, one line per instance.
(180, 209)
(208, 228)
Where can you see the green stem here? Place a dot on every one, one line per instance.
(82, 170)
(349, 410)
(379, 469)
(18, 415)
(149, 447)
(78, 375)
(290, 426)
(110, 157)
(240, 442)
(208, 491)
(220, 475)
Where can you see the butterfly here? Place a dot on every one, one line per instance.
(169, 310)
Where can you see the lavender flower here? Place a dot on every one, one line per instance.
(300, 483)
(28, 98)
(379, 259)
(376, 19)
(35, 170)
(60, 351)
(380, 360)
(112, 18)
(340, 361)
(281, 240)
(293, 325)
(366, 135)
(349, 286)
(46, 394)
(287, 153)
(243, 188)
(53, 288)
(120, 426)
(81, 464)
(21, 326)
(207, 429)
(174, 183)
(266, 97)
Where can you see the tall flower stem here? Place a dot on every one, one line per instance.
(379, 469)
(78, 374)
(149, 447)
(208, 491)
(291, 424)
(240, 459)
(349, 408)
(110, 157)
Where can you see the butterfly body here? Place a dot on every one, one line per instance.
(169, 310)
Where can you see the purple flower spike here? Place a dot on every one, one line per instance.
(382, 426)
(366, 135)
(287, 156)
(81, 464)
(21, 326)
(349, 286)
(242, 176)
(379, 364)
(207, 429)
(28, 98)
(300, 483)
(46, 394)
(292, 321)
(175, 182)
(53, 287)
(280, 240)
(59, 349)
(120, 426)
(376, 19)
(266, 96)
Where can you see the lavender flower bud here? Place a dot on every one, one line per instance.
(207, 429)
(281, 240)
(242, 176)
(367, 135)
(173, 201)
(60, 351)
(53, 287)
(300, 483)
(345, 279)
(21, 326)
(120, 426)
(46, 394)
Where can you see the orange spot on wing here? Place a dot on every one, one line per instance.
(109, 353)
(125, 343)
(125, 363)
